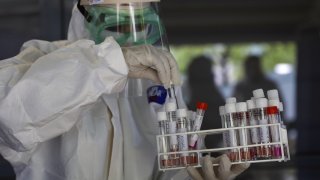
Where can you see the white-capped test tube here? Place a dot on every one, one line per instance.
(284, 135)
(201, 108)
(225, 135)
(244, 134)
(231, 117)
(193, 157)
(254, 132)
(273, 94)
(172, 128)
(190, 120)
(183, 138)
(162, 118)
(260, 114)
(258, 93)
(231, 100)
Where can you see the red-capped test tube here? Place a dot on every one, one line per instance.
(274, 117)
(275, 108)
(201, 108)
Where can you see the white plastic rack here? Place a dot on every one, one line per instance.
(283, 143)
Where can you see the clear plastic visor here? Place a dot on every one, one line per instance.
(130, 24)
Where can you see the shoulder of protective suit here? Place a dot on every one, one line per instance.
(45, 46)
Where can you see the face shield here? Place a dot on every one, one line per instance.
(130, 23)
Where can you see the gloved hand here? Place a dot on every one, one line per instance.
(152, 63)
(225, 171)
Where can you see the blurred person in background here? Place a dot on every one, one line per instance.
(254, 79)
(224, 70)
(202, 88)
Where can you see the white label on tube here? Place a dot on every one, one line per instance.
(243, 137)
(233, 138)
(163, 147)
(226, 139)
(254, 132)
(197, 123)
(172, 130)
(275, 135)
(193, 140)
(174, 115)
(183, 141)
(264, 131)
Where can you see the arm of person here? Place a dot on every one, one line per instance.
(48, 98)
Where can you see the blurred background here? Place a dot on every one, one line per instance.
(223, 48)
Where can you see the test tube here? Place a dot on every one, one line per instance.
(171, 108)
(201, 108)
(190, 121)
(273, 117)
(273, 94)
(281, 110)
(231, 100)
(231, 117)
(172, 95)
(284, 133)
(183, 139)
(258, 93)
(162, 118)
(254, 132)
(274, 100)
(193, 140)
(244, 134)
(225, 135)
(260, 114)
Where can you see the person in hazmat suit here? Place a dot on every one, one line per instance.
(78, 109)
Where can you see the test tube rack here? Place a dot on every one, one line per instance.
(283, 143)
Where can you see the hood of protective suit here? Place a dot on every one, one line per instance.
(77, 29)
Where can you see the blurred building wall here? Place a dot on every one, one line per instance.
(308, 98)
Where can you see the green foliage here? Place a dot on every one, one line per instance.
(278, 53)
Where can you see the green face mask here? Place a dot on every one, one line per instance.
(129, 26)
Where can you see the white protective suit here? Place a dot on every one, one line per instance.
(61, 116)
(139, 124)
